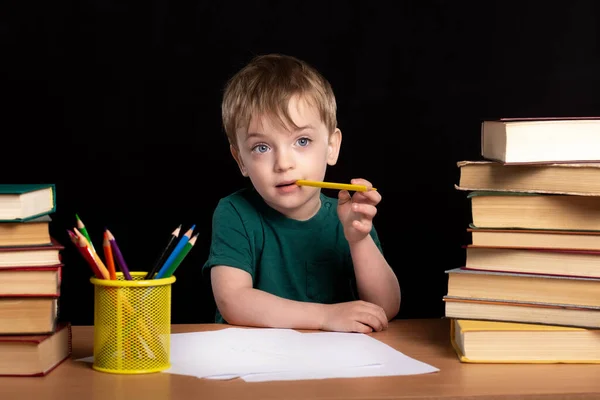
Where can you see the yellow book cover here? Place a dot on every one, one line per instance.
(459, 327)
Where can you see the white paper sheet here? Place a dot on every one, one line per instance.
(391, 363)
(242, 351)
(263, 354)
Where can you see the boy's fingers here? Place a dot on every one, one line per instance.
(367, 210)
(371, 320)
(363, 227)
(343, 196)
(378, 311)
(371, 197)
(361, 181)
(361, 328)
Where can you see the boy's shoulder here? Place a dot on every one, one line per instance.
(239, 196)
(243, 204)
(244, 200)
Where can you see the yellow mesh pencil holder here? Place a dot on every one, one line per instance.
(132, 324)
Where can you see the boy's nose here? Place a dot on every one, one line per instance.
(284, 161)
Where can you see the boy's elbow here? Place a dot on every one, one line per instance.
(229, 307)
(395, 307)
(394, 310)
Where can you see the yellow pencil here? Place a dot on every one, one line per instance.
(331, 185)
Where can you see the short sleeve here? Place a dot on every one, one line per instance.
(230, 243)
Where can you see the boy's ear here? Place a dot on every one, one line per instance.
(238, 159)
(333, 151)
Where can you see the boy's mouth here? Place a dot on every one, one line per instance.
(285, 184)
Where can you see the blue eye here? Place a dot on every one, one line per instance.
(260, 148)
(304, 141)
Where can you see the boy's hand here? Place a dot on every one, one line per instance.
(354, 316)
(356, 213)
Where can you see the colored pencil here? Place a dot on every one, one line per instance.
(166, 250)
(84, 231)
(86, 254)
(118, 255)
(108, 256)
(184, 239)
(331, 185)
(186, 249)
(83, 243)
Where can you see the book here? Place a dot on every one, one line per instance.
(534, 211)
(31, 281)
(22, 202)
(504, 342)
(581, 179)
(28, 315)
(34, 355)
(565, 262)
(33, 232)
(31, 256)
(532, 238)
(504, 286)
(541, 140)
(522, 311)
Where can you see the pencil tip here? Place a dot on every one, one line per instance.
(77, 216)
(193, 227)
(177, 230)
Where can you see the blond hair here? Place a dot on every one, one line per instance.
(265, 86)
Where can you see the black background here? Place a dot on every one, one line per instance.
(118, 104)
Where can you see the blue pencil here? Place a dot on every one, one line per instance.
(182, 242)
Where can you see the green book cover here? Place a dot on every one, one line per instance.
(20, 188)
(24, 188)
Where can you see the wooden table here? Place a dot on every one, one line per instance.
(424, 340)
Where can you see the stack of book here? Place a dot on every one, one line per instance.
(32, 340)
(530, 287)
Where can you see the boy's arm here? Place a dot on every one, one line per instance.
(376, 281)
(240, 304)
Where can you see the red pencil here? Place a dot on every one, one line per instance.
(86, 255)
(83, 243)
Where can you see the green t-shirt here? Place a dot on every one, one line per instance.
(297, 260)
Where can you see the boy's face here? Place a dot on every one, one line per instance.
(275, 156)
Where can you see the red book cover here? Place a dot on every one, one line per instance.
(37, 340)
(55, 245)
(57, 267)
(19, 255)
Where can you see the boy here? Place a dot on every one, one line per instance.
(282, 255)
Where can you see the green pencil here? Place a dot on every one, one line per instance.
(186, 249)
(84, 231)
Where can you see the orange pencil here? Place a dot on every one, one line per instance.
(83, 243)
(108, 256)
